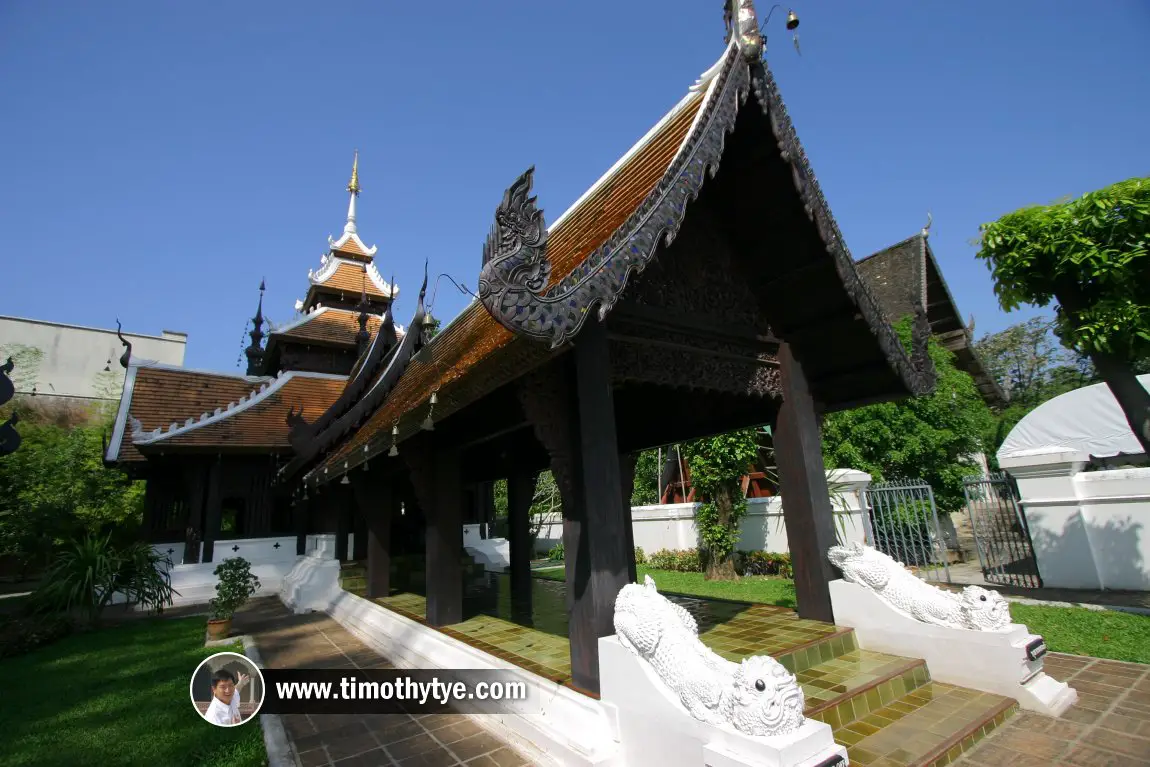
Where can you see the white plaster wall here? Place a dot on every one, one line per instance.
(74, 357)
(672, 526)
(1089, 529)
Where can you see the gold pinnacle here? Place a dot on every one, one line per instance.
(353, 186)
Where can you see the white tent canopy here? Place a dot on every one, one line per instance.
(1086, 420)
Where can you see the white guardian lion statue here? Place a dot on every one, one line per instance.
(976, 608)
(755, 697)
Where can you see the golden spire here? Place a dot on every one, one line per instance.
(353, 185)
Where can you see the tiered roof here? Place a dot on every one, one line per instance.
(325, 325)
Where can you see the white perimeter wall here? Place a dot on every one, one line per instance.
(672, 526)
(1089, 528)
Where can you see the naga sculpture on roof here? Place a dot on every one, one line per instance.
(756, 697)
(976, 608)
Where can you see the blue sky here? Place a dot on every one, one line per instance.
(158, 159)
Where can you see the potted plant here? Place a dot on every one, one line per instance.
(236, 585)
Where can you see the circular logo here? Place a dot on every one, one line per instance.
(227, 689)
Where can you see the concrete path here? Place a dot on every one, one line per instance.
(1107, 727)
(377, 740)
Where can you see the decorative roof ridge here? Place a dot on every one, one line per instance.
(167, 366)
(382, 344)
(121, 422)
(398, 358)
(521, 300)
(391, 291)
(307, 316)
(353, 236)
(221, 413)
(888, 248)
(705, 81)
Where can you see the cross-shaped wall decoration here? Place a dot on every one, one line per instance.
(235, 548)
(171, 551)
(277, 545)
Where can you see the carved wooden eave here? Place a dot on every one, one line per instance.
(363, 396)
(330, 263)
(520, 291)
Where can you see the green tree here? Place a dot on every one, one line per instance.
(646, 489)
(932, 438)
(717, 465)
(1091, 256)
(56, 487)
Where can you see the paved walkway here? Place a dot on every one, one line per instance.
(1107, 727)
(378, 740)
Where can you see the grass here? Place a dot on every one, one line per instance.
(118, 696)
(1072, 630)
(762, 589)
(1079, 631)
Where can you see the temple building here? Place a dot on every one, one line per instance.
(210, 444)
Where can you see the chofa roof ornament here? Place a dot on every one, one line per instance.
(743, 24)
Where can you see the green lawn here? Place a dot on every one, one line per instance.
(118, 696)
(1073, 630)
(1078, 631)
(762, 589)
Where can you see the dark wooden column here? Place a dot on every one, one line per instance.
(359, 542)
(437, 477)
(195, 477)
(803, 486)
(373, 500)
(606, 517)
(300, 509)
(338, 501)
(627, 477)
(520, 492)
(212, 510)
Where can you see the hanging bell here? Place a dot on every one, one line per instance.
(393, 452)
(792, 20)
(345, 480)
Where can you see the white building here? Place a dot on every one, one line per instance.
(75, 362)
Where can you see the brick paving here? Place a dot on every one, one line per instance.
(315, 640)
(1108, 726)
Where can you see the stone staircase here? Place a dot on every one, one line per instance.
(885, 709)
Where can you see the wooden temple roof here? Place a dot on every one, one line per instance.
(155, 395)
(908, 272)
(617, 227)
(326, 325)
(259, 419)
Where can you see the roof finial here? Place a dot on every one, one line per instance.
(255, 352)
(929, 221)
(353, 187)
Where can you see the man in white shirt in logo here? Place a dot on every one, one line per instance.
(225, 706)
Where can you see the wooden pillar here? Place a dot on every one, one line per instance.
(603, 518)
(437, 478)
(338, 502)
(360, 531)
(195, 477)
(520, 492)
(300, 509)
(373, 501)
(807, 508)
(445, 543)
(486, 498)
(627, 476)
(212, 510)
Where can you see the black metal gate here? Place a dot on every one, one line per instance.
(1001, 534)
(902, 522)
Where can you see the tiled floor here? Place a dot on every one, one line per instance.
(317, 641)
(1110, 724)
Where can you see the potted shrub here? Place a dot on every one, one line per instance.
(237, 584)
